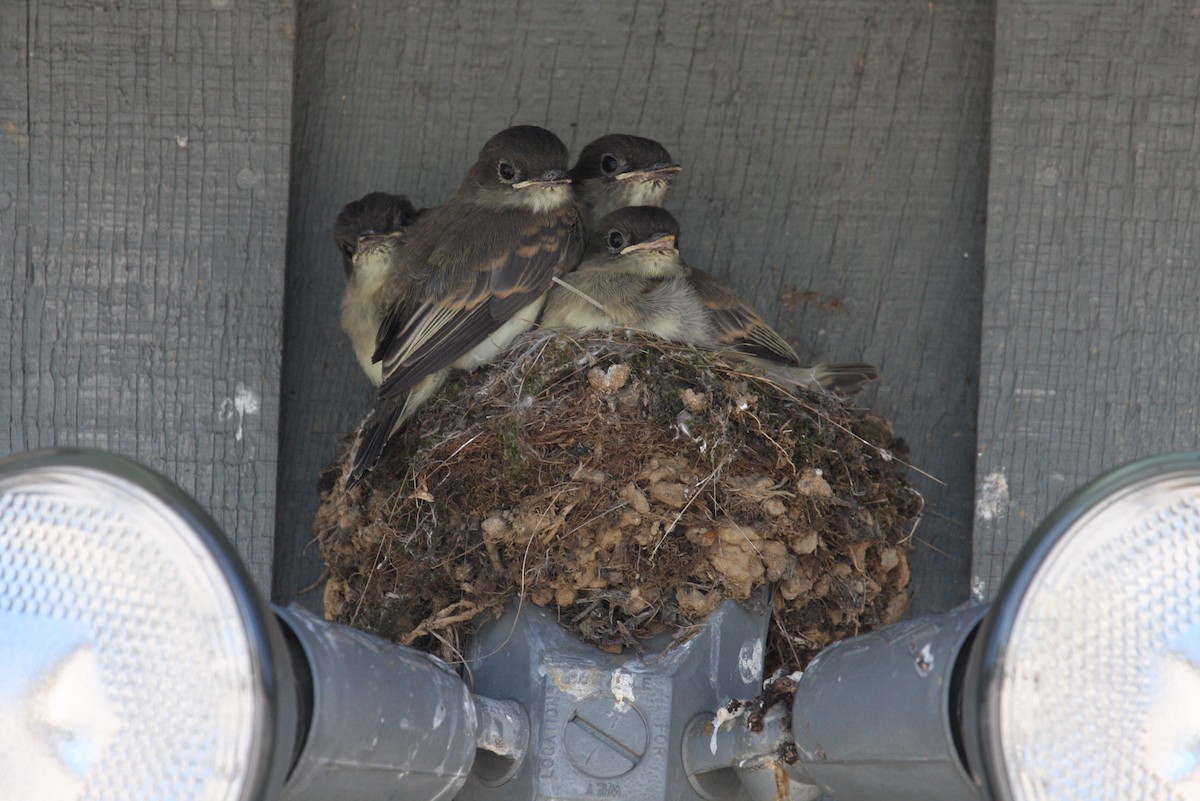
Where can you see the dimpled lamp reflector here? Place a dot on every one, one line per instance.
(126, 667)
(1097, 693)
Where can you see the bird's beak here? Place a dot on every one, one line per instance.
(661, 242)
(658, 171)
(368, 241)
(548, 178)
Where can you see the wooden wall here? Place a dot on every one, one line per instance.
(169, 288)
(834, 171)
(1091, 317)
(143, 190)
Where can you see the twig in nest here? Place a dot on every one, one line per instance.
(916, 518)
(580, 293)
(796, 660)
(455, 613)
(699, 488)
(883, 452)
(320, 580)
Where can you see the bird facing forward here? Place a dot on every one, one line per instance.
(471, 275)
(619, 170)
(368, 233)
(371, 214)
(633, 276)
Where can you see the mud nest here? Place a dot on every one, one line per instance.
(632, 485)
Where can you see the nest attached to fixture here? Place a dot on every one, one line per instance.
(632, 485)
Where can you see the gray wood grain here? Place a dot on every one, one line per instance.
(834, 173)
(1091, 336)
(144, 157)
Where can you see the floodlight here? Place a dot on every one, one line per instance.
(1085, 681)
(137, 660)
(1080, 682)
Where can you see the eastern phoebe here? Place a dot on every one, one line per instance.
(368, 234)
(632, 276)
(471, 275)
(619, 170)
(374, 213)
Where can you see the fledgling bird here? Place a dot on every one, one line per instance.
(619, 170)
(373, 213)
(368, 233)
(471, 275)
(633, 269)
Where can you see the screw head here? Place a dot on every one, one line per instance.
(605, 739)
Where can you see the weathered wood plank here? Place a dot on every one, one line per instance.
(833, 158)
(145, 158)
(14, 217)
(1091, 337)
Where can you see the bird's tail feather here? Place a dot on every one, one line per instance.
(846, 378)
(385, 421)
(375, 433)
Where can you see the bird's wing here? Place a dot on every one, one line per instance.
(736, 324)
(477, 282)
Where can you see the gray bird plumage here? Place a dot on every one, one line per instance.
(632, 276)
(373, 213)
(471, 275)
(368, 233)
(619, 170)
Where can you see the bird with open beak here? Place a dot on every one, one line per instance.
(619, 170)
(632, 276)
(471, 275)
(368, 233)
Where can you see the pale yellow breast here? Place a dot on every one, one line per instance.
(499, 340)
(362, 312)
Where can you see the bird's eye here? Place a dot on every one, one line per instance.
(609, 164)
(507, 172)
(616, 239)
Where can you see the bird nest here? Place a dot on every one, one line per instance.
(632, 485)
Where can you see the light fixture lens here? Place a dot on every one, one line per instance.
(1097, 694)
(126, 668)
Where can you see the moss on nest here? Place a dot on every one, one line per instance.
(631, 484)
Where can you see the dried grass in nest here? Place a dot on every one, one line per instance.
(633, 485)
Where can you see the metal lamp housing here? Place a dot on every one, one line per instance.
(1084, 681)
(137, 660)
